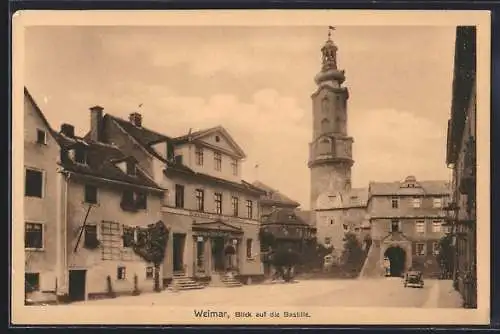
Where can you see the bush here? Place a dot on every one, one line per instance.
(353, 256)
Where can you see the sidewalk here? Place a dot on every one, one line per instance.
(448, 297)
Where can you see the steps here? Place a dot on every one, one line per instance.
(225, 280)
(182, 282)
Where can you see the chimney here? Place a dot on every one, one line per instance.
(136, 119)
(96, 114)
(68, 130)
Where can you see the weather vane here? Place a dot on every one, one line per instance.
(330, 29)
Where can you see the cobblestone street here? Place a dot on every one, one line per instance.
(387, 292)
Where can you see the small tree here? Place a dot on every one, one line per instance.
(445, 255)
(353, 256)
(151, 244)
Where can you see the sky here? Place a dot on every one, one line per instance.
(257, 83)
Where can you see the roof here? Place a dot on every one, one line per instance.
(145, 137)
(425, 188)
(101, 162)
(305, 216)
(273, 196)
(283, 216)
(193, 136)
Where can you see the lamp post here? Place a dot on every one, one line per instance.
(451, 211)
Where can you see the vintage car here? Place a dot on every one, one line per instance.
(413, 279)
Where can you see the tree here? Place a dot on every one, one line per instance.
(284, 261)
(150, 244)
(353, 256)
(445, 255)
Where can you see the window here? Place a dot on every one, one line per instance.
(437, 202)
(33, 236)
(131, 168)
(234, 166)
(395, 202)
(128, 236)
(436, 226)
(149, 272)
(417, 201)
(394, 225)
(121, 273)
(217, 139)
(249, 248)
(128, 200)
(199, 156)
(41, 137)
(178, 159)
(420, 226)
(141, 200)
(345, 227)
(111, 240)
(249, 209)
(435, 248)
(179, 196)
(81, 156)
(90, 240)
(90, 194)
(235, 204)
(218, 161)
(31, 282)
(420, 249)
(200, 200)
(328, 240)
(33, 183)
(332, 221)
(218, 203)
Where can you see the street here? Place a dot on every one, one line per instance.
(385, 292)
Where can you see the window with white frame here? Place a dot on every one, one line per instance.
(435, 248)
(33, 183)
(417, 202)
(218, 161)
(395, 225)
(437, 226)
(420, 249)
(199, 156)
(218, 203)
(33, 235)
(121, 273)
(437, 202)
(249, 209)
(420, 226)
(90, 236)
(149, 272)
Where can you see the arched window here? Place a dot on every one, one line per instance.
(325, 125)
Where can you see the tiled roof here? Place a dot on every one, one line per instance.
(419, 188)
(273, 196)
(38, 110)
(101, 162)
(283, 216)
(185, 138)
(305, 216)
(145, 137)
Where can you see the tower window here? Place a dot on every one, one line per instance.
(325, 125)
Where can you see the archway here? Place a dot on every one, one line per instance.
(396, 256)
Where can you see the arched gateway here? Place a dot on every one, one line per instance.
(397, 260)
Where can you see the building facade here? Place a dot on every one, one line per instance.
(77, 236)
(41, 153)
(213, 214)
(406, 220)
(461, 158)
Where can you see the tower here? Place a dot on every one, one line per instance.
(330, 151)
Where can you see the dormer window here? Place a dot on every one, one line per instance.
(80, 156)
(131, 168)
(41, 137)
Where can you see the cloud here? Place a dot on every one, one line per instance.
(391, 144)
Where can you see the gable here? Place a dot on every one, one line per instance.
(221, 140)
(216, 226)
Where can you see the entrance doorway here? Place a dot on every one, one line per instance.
(179, 242)
(230, 256)
(218, 253)
(397, 257)
(77, 285)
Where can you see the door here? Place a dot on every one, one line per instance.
(218, 253)
(178, 251)
(77, 284)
